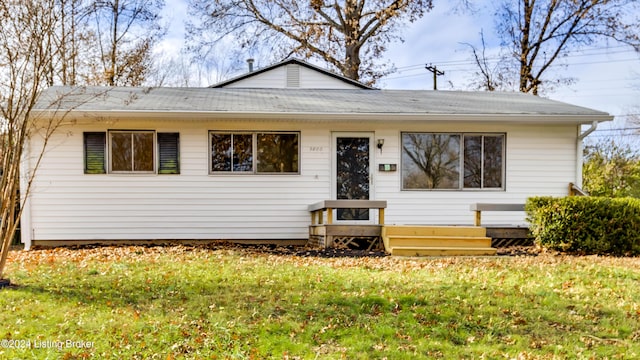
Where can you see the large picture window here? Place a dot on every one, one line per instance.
(452, 161)
(255, 152)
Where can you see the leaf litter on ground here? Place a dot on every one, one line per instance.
(343, 258)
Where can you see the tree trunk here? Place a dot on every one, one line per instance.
(352, 62)
(525, 68)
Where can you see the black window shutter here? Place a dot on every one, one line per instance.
(168, 153)
(94, 150)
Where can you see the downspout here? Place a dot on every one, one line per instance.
(579, 149)
(26, 232)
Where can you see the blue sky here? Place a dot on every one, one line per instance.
(608, 78)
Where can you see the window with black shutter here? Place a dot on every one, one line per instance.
(131, 152)
(94, 151)
(168, 153)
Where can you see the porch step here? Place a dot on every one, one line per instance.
(436, 241)
(425, 230)
(441, 251)
(446, 241)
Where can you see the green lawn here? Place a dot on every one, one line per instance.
(233, 303)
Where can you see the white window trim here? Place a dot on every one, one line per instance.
(109, 156)
(254, 152)
(461, 173)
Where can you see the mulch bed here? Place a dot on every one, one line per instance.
(303, 251)
(356, 253)
(519, 251)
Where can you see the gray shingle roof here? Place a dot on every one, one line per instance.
(212, 101)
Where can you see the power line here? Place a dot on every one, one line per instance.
(436, 73)
(620, 129)
(491, 58)
(587, 52)
(616, 135)
(467, 70)
(626, 115)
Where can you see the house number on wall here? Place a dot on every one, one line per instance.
(315, 148)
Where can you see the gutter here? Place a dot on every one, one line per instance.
(182, 115)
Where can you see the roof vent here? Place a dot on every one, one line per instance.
(293, 76)
(250, 63)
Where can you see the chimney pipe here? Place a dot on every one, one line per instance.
(250, 62)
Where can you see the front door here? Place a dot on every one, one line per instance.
(352, 172)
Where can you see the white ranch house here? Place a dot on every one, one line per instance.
(245, 159)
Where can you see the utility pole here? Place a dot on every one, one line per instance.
(436, 73)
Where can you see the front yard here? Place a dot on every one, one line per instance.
(242, 303)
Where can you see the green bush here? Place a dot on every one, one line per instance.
(586, 225)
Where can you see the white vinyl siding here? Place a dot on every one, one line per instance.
(539, 160)
(292, 76)
(67, 204)
(192, 205)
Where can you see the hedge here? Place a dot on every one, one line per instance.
(586, 225)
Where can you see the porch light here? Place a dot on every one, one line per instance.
(380, 144)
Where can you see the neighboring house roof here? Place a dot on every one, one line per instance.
(285, 63)
(309, 104)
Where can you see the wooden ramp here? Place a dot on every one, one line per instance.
(403, 240)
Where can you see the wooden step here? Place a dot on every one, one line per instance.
(401, 230)
(401, 240)
(441, 251)
(436, 241)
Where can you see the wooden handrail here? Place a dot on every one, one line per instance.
(317, 210)
(480, 207)
(575, 190)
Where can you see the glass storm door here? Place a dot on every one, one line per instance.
(352, 173)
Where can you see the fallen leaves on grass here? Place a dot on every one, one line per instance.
(235, 299)
(336, 258)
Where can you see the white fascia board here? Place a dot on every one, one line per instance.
(364, 117)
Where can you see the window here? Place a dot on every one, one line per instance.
(483, 161)
(255, 152)
(452, 161)
(131, 152)
(231, 152)
(277, 153)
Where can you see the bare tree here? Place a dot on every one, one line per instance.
(183, 70)
(126, 31)
(72, 43)
(491, 75)
(25, 62)
(27, 55)
(538, 34)
(349, 35)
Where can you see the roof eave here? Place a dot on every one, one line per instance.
(326, 116)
